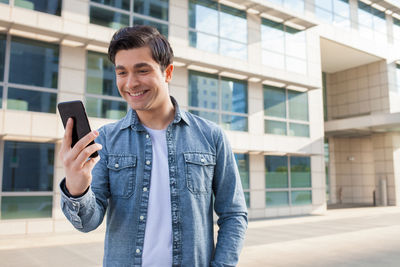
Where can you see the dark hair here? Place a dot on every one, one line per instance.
(139, 36)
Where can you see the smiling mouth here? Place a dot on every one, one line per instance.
(137, 93)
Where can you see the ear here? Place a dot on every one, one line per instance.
(168, 73)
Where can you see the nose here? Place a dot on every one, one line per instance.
(132, 81)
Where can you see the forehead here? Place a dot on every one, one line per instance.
(133, 56)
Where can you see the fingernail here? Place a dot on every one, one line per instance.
(96, 133)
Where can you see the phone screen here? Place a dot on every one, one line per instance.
(76, 111)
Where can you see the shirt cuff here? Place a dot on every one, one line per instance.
(64, 189)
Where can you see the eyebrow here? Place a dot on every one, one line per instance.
(136, 66)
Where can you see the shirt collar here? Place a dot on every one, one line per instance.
(132, 120)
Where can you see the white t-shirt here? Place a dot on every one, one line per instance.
(157, 250)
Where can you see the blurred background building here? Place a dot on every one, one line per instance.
(308, 92)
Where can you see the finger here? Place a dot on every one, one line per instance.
(85, 154)
(83, 143)
(67, 139)
(89, 165)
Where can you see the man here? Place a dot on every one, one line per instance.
(160, 172)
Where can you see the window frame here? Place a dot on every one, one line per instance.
(6, 84)
(287, 119)
(132, 15)
(100, 97)
(51, 193)
(219, 37)
(289, 190)
(285, 54)
(220, 112)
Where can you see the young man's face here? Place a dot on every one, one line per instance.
(140, 80)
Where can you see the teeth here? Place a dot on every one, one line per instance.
(137, 94)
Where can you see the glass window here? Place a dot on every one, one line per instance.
(48, 6)
(333, 11)
(152, 8)
(122, 4)
(274, 198)
(31, 100)
(242, 161)
(2, 55)
(100, 75)
(28, 167)
(276, 172)
(275, 127)
(372, 22)
(25, 207)
(297, 129)
(298, 105)
(161, 27)
(218, 28)
(295, 42)
(203, 41)
(117, 14)
(219, 99)
(104, 108)
(33, 63)
(288, 105)
(211, 116)
(300, 171)
(283, 46)
(234, 95)
(4, 1)
(280, 191)
(108, 18)
(274, 102)
(301, 197)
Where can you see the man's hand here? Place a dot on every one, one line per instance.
(78, 168)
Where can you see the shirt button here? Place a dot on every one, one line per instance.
(116, 165)
(148, 162)
(141, 218)
(137, 251)
(147, 136)
(144, 189)
(202, 160)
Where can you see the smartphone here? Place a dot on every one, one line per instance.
(76, 111)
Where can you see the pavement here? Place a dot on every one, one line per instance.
(341, 237)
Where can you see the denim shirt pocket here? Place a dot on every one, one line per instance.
(199, 168)
(122, 175)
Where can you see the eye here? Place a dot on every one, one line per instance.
(143, 71)
(121, 73)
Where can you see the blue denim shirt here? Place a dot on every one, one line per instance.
(203, 177)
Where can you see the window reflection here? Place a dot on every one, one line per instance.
(153, 8)
(218, 28)
(28, 166)
(162, 28)
(108, 18)
(277, 101)
(48, 6)
(41, 59)
(104, 108)
(372, 22)
(30, 100)
(219, 99)
(333, 11)
(284, 47)
(279, 190)
(100, 75)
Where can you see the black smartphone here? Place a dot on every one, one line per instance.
(76, 111)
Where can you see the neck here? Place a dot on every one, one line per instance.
(157, 119)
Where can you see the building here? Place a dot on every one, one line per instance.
(308, 92)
